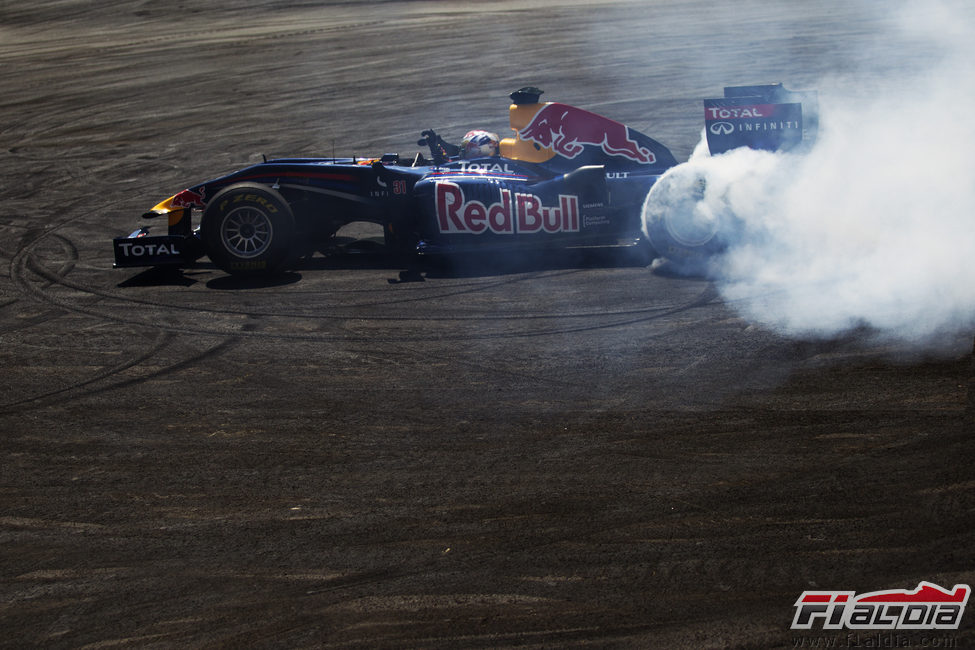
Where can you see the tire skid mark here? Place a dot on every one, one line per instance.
(16, 274)
(26, 261)
(73, 306)
(189, 362)
(66, 267)
(703, 299)
(453, 291)
(345, 333)
(161, 343)
(34, 236)
(641, 311)
(162, 340)
(27, 323)
(213, 351)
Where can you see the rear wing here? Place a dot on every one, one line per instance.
(761, 117)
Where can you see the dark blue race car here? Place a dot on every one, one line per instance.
(567, 178)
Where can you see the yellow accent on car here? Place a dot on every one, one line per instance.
(173, 215)
(520, 116)
(165, 206)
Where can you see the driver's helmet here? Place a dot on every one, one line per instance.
(479, 144)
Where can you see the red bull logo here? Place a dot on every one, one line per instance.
(189, 199)
(568, 130)
(515, 213)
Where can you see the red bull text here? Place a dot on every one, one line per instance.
(515, 213)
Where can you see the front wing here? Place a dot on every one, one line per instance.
(142, 249)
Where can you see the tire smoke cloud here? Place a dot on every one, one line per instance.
(873, 229)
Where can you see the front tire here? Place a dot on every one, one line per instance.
(248, 229)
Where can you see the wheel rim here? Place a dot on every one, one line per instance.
(691, 225)
(246, 232)
(689, 220)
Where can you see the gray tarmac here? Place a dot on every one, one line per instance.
(561, 452)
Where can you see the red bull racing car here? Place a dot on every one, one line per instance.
(566, 178)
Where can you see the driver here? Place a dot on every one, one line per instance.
(480, 144)
(476, 144)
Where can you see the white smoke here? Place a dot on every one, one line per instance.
(874, 228)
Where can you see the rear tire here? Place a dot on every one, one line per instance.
(248, 229)
(680, 225)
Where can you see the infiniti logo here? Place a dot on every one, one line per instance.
(722, 128)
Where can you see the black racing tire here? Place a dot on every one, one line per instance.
(680, 226)
(248, 229)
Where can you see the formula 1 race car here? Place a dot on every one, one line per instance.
(568, 178)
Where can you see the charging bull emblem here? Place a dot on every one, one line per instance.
(568, 130)
(189, 199)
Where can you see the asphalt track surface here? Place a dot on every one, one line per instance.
(560, 452)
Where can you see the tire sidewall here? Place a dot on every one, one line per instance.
(256, 200)
(668, 225)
